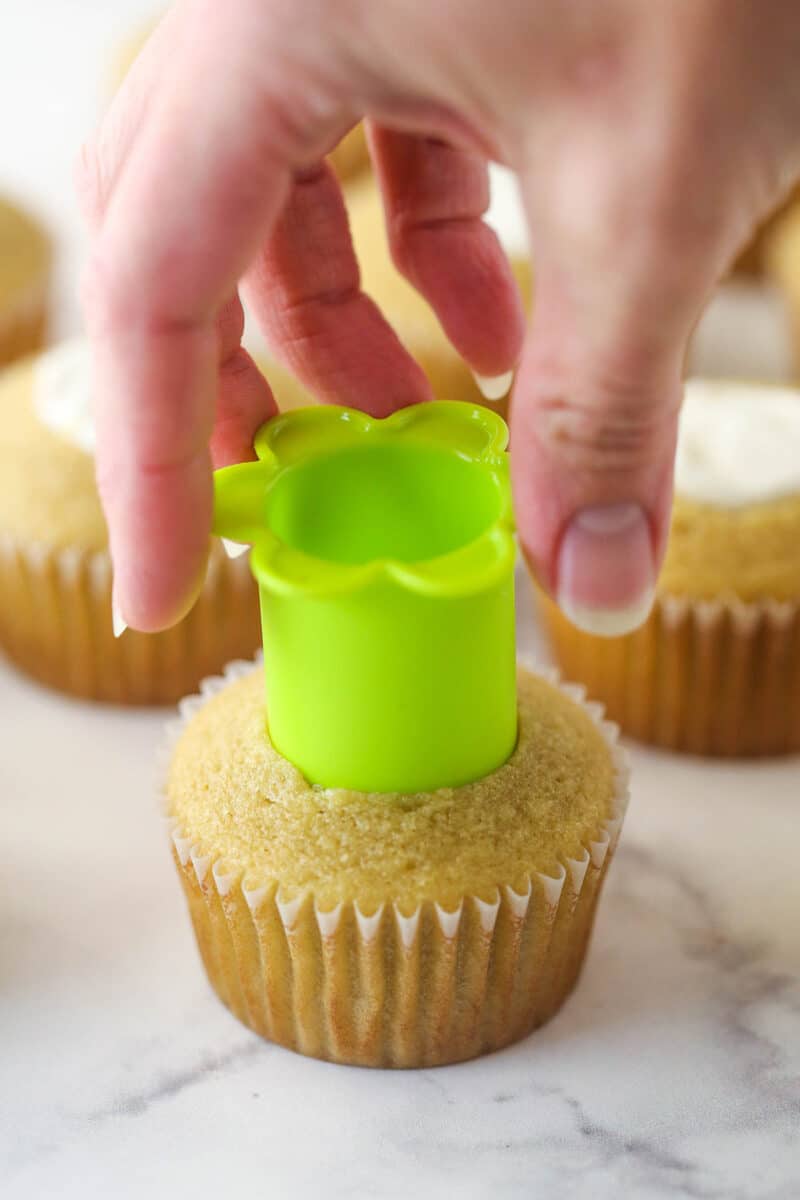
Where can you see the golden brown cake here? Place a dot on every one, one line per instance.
(55, 569)
(753, 259)
(393, 930)
(25, 265)
(716, 668)
(407, 311)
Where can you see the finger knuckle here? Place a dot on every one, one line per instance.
(599, 434)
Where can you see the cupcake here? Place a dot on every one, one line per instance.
(55, 569)
(782, 255)
(716, 668)
(25, 262)
(395, 860)
(407, 311)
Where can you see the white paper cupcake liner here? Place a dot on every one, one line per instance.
(395, 988)
(713, 677)
(55, 624)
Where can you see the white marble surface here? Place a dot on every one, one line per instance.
(674, 1070)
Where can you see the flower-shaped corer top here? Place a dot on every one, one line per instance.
(384, 554)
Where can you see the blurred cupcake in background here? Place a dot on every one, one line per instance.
(55, 568)
(750, 329)
(716, 668)
(782, 256)
(407, 311)
(753, 260)
(392, 838)
(350, 158)
(25, 270)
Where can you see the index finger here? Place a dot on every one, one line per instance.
(202, 184)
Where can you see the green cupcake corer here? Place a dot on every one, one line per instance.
(384, 554)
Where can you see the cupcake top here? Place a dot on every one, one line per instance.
(739, 443)
(24, 252)
(235, 797)
(736, 522)
(48, 493)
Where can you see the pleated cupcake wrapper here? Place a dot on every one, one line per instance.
(395, 988)
(23, 322)
(717, 677)
(55, 624)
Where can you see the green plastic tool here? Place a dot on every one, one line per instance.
(384, 554)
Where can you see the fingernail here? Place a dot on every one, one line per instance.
(494, 387)
(118, 622)
(234, 549)
(606, 570)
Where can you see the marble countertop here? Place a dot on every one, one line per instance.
(673, 1071)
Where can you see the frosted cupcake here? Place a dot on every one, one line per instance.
(365, 922)
(716, 668)
(407, 311)
(55, 569)
(25, 267)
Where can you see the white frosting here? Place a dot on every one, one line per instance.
(738, 443)
(506, 214)
(62, 393)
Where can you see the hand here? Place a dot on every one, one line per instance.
(649, 139)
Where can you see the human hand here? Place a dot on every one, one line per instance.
(648, 140)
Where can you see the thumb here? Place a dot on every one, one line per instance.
(594, 425)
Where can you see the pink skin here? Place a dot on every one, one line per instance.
(648, 140)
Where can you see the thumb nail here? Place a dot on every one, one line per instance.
(606, 570)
